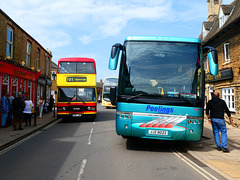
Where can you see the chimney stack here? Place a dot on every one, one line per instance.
(213, 8)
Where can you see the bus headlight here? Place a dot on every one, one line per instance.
(61, 108)
(91, 108)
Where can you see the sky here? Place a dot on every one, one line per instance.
(89, 28)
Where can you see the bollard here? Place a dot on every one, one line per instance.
(35, 119)
(54, 110)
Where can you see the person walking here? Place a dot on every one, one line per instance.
(5, 108)
(28, 111)
(217, 107)
(41, 103)
(10, 115)
(51, 103)
(18, 106)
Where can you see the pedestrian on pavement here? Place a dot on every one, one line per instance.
(41, 103)
(217, 107)
(28, 111)
(10, 115)
(18, 106)
(5, 108)
(51, 103)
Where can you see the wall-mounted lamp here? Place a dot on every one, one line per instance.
(8, 56)
(23, 63)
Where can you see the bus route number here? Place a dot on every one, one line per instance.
(76, 79)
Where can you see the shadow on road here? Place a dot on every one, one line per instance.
(138, 144)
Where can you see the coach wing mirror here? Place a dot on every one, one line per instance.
(113, 60)
(212, 58)
(113, 95)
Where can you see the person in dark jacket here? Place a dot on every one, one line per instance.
(18, 106)
(217, 107)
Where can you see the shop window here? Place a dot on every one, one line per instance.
(21, 85)
(226, 52)
(24, 86)
(14, 85)
(5, 83)
(228, 97)
(9, 49)
(29, 89)
(28, 54)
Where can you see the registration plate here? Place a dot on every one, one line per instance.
(158, 132)
(76, 115)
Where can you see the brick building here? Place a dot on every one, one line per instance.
(24, 64)
(222, 32)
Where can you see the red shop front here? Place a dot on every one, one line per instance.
(15, 78)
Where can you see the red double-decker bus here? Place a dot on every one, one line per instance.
(76, 88)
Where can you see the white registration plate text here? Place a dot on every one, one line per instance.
(158, 132)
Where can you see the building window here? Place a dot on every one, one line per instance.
(221, 21)
(38, 57)
(9, 51)
(227, 52)
(53, 75)
(47, 65)
(228, 97)
(28, 54)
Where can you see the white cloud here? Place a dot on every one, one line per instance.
(49, 21)
(85, 39)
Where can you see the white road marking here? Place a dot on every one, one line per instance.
(81, 170)
(195, 166)
(90, 136)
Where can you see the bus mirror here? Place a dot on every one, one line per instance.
(55, 92)
(113, 95)
(212, 58)
(113, 60)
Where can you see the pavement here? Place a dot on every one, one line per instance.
(8, 136)
(226, 164)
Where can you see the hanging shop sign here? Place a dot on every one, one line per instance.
(223, 74)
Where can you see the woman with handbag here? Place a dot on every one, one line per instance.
(29, 108)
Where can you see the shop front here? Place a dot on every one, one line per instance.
(15, 78)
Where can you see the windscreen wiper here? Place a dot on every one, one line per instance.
(81, 99)
(187, 100)
(141, 94)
